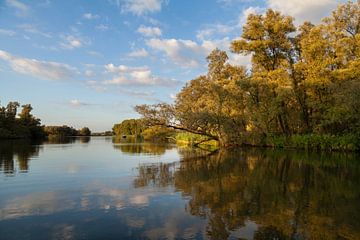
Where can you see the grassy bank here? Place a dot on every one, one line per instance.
(315, 141)
(184, 138)
(349, 142)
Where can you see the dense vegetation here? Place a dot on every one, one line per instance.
(304, 85)
(25, 125)
(129, 127)
(66, 131)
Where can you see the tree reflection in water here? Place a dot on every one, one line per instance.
(21, 151)
(134, 146)
(288, 194)
(16, 151)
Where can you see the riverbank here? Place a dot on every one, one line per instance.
(349, 142)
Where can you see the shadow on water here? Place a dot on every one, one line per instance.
(287, 194)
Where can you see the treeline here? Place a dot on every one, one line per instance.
(25, 125)
(22, 125)
(66, 131)
(139, 129)
(304, 82)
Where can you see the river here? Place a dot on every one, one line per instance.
(106, 188)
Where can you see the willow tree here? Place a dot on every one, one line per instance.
(303, 80)
(331, 66)
(268, 39)
(210, 105)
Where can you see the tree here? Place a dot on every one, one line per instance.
(303, 80)
(25, 125)
(267, 39)
(129, 127)
(85, 131)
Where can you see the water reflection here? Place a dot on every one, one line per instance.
(66, 140)
(119, 190)
(289, 195)
(133, 146)
(15, 155)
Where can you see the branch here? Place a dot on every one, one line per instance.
(193, 131)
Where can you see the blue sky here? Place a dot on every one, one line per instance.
(88, 63)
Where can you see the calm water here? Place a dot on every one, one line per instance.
(100, 188)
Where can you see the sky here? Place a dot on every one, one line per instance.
(88, 63)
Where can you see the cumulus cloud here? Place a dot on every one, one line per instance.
(240, 60)
(187, 53)
(7, 32)
(139, 53)
(305, 10)
(90, 16)
(141, 7)
(71, 42)
(40, 69)
(149, 31)
(245, 13)
(140, 76)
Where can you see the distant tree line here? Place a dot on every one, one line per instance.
(138, 128)
(25, 125)
(66, 131)
(303, 81)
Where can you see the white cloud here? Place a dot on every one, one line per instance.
(172, 96)
(7, 32)
(149, 31)
(125, 75)
(102, 27)
(139, 53)
(141, 7)
(71, 42)
(144, 94)
(77, 103)
(89, 73)
(21, 8)
(305, 10)
(40, 69)
(187, 53)
(240, 60)
(231, 2)
(34, 30)
(213, 29)
(250, 10)
(95, 53)
(90, 16)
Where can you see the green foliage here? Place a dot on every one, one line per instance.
(195, 139)
(66, 131)
(129, 127)
(349, 142)
(85, 131)
(158, 134)
(23, 126)
(60, 131)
